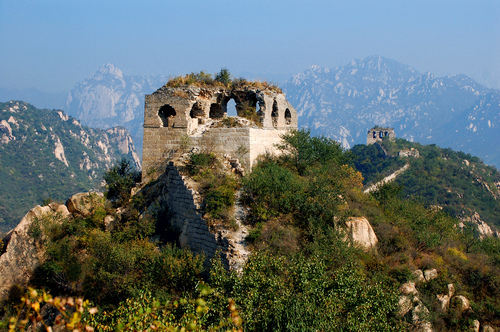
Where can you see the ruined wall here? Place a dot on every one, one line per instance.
(191, 117)
(378, 133)
(185, 215)
(179, 115)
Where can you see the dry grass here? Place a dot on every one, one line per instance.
(203, 79)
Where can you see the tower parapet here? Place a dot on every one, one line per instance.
(376, 134)
(196, 116)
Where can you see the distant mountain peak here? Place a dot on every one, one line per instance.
(106, 70)
(318, 68)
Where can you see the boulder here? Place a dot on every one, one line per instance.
(430, 274)
(22, 254)
(361, 232)
(109, 223)
(404, 305)
(408, 289)
(475, 326)
(418, 276)
(445, 299)
(462, 302)
(421, 318)
(83, 203)
(488, 328)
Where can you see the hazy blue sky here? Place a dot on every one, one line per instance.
(53, 44)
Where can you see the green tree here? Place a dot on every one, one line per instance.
(302, 150)
(120, 179)
(224, 76)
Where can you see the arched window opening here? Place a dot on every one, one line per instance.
(167, 114)
(386, 133)
(381, 134)
(231, 108)
(288, 117)
(374, 134)
(196, 111)
(274, 114)
(216, 111)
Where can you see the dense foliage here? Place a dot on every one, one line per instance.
(305, 273)
(458, 182)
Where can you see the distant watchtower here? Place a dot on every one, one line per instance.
(376, 134)
(195, 115)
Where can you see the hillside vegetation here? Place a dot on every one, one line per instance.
(44, 154)
(458, 182)
(304, 274)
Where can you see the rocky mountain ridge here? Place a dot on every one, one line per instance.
(47, 154)
(108, 99)
(344, 102)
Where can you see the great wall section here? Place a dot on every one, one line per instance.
(191, 118)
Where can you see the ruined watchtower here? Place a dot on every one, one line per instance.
(376, 134)
(196, 115)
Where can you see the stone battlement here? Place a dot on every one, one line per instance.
(194, 117)
(376, 134)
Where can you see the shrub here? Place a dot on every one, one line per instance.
(200, 161)
(224, 77)
(301, 150)
(120, 179)
(300, 293)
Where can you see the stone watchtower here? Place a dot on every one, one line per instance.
(376, 134)
(196, 117)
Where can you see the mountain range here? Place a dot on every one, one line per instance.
(345, 102)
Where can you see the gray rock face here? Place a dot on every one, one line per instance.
(362, 233)
(109, 99)
(344, 102)
(22, 253)
(483, 228)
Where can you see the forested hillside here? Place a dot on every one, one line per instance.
(44, 154)
(458, 182)
(305, 273)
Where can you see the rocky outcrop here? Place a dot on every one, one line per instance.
(22, 253)
(5, 132)
(410, 304)
(361, 232)
(445, 299)
(83, 203)
(430, 274)
(475, 219)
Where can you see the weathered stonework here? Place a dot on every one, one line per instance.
(192, 117)
(376, 134)
(179, 116)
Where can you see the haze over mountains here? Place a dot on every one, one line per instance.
(341, 103)
(344, 102)
(109, 99)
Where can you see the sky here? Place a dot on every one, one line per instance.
(51, 45)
